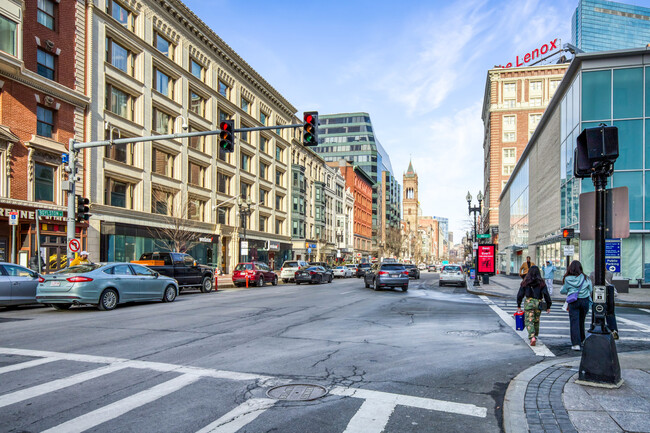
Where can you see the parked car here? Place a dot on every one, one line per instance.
(342, 272)
(257, 274)
(387, 275)
(362, 268)
(323, 264)
(452, 274)
(17, 285)
(413, 270)
(104, 285)
(181, 267)
(289, 269)
(353, 268)
(431, 268)
(313, 274)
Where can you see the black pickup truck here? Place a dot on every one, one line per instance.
(181, 267)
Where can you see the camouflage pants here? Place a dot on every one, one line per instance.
(531, 316)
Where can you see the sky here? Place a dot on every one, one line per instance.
(418, 68)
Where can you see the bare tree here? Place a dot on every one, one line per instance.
(177, 233)
(394, 241)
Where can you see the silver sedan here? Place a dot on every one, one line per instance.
(104, 285)
(17, 285)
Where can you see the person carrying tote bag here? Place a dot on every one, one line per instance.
(577, 286)
(532, 291)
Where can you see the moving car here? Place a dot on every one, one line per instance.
(289, 269)
(181, 267)
(353, 268)
(342, 272)
(257, 274)
(452, 274)
(104, 285)
(387, 275)
(422, 266)
(17, 285)
(413, 271)
(362, 268)
(431, 268)
(313, 274)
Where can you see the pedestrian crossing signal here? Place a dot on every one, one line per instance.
(310, 129)
(226, 136)
(568, 233)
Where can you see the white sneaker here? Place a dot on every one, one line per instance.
(576, 347)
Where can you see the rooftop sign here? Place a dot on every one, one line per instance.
(537, 53)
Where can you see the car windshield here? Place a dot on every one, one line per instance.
(244, 267)
(364, 265)
(314, 268)
(290, 265)
(340, 267)
(80, 269)
(392, 267)
(451, 269)
(409, 266)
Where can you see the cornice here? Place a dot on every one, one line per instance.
(52, 88)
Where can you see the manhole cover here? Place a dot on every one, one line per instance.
(297, 392)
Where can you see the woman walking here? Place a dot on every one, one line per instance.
(577, 286)
(531, 291)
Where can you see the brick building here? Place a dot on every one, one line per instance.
(42, 106)
(514, 102)
(361, 185)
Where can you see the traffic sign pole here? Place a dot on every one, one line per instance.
(72, 174)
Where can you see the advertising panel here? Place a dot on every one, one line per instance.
(486, 259)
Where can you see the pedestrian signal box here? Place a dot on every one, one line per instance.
(568, 233)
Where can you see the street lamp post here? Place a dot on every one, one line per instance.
(475, 210)
(244, 211)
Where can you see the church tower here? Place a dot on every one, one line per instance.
(410, 200)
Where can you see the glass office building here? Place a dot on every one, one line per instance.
(604, 87)
(350, 136)
(599, 25)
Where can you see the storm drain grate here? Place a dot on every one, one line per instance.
(297, 392)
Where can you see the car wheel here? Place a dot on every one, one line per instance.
(375, 286)
(170, 294)
(275, 281)
(297, 283)
(206, 285)
(330, 280)
(108, 300)
(260, 280)
(405, 288)
(61, 306)
(440, 284)
(285, 281)
(366, 283)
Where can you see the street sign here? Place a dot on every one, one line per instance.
(475, 246)
(612, 247)
(50, 213)
(613, 265)
(483, 236)
(13, 218)
(569, 250)
(244, 245)
(74, 245)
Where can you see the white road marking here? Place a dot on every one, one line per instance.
(26, 364)
(55, 385)
(239, 417)
(645, 310)
(348, 292)
(417, 402)
(633, 323)
(540, 349)
(569, 337)
(371, 417)
(113, 410)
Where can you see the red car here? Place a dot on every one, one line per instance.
(256, 272)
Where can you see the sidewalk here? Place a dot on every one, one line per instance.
(544, 398)
(507, 287)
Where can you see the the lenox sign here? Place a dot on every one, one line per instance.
(544, 50)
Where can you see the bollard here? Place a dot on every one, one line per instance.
(216, 281)
(247, 281)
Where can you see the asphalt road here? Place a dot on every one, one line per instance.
(430, 359)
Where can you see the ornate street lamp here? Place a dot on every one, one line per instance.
(475, 210)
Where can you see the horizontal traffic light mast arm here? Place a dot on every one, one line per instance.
(78, 145)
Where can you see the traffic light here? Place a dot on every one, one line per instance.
(227, 135)
(310, 129)
(568, 233)
(82, 209)
(595, 147)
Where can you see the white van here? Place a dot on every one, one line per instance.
(289, 269)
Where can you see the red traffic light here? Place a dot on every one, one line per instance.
(310, 129)
(309, 118)
(226, 137)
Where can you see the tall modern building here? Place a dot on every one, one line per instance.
(350, 136)
(599, 25)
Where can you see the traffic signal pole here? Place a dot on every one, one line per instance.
(74, 147)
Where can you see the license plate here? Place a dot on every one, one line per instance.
(394, 276)
(55, 283)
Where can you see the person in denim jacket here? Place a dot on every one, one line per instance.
(575, 281)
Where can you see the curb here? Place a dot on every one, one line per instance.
(514, 415)
(622, 304)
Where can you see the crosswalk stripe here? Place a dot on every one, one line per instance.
(633, 323)
(568, 336)
(113, 410)
(239, 417)
(55, 385)
(26, 364)
(540, 349)
(371, 417)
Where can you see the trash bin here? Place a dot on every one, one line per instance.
(486, 279)
(519, 320)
